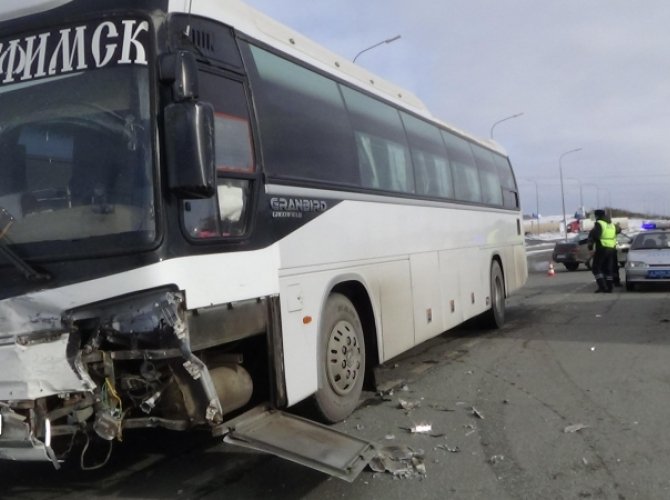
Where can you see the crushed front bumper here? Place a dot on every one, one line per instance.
(17, 442)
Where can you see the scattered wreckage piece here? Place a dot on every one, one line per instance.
(400, 461)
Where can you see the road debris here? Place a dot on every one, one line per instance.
(450, 449)
(400, 461)
(421, 428)
(471, 429)
(494, 459)
(389, 437)
(386, 395)
(408, 405)
(441, 407)
(575, 428)
(477, 413)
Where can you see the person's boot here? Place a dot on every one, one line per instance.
(609, 284)
(602, 286)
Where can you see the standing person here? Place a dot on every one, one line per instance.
(603, 237)
(616, 277)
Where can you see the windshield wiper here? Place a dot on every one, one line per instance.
(30, 273)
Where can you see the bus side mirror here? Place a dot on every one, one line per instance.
(189, 149)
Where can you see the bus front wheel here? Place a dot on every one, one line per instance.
(342, 365)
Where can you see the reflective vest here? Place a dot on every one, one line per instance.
(607, 234)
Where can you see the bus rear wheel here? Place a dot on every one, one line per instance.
(342, 365)
(495, 317)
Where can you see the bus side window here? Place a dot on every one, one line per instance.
(466, 176)
(225, 214)
(433, 175)
(366, 162)
(377, 126)
(488, 175)
(507, 181)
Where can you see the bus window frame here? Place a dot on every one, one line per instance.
(251, 176)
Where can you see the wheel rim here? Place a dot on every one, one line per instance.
(344, 358)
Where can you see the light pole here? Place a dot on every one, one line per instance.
(560, 170)
(502, 120)
(388, 40)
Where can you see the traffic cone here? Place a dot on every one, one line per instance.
(551, 271)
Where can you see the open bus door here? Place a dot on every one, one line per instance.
(299, 440)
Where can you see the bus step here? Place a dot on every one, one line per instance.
(300, 440)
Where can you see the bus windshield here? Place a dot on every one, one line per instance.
(75, 158)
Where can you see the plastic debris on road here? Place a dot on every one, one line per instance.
(477, 413)
(441, 408)
(400, 461)
(421, 428)
(575, 428)
(494, 459)
(408, 405)
(450, 449)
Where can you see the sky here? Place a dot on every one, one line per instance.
(586, 74)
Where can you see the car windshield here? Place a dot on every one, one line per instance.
(623, 238)
(650, 241)
(75, 159)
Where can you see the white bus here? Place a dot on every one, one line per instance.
(205, 218)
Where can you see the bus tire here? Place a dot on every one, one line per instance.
(342, 355)
(495, 316)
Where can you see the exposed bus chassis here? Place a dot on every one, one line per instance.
(135, 366)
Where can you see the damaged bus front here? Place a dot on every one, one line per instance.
(94, 330)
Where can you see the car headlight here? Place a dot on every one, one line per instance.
(636, 265)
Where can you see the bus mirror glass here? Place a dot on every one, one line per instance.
(181, 71)
(189, 148)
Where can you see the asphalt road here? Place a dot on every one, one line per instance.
(570, 399)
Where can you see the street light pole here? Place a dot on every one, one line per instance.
(388, 40)
(560, 170)
(502, 120)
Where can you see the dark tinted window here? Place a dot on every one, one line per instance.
(226, 213)
(381, 145)
(304, 128)
(431, 167)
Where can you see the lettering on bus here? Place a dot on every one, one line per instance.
(295, 207)
(77, 48)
